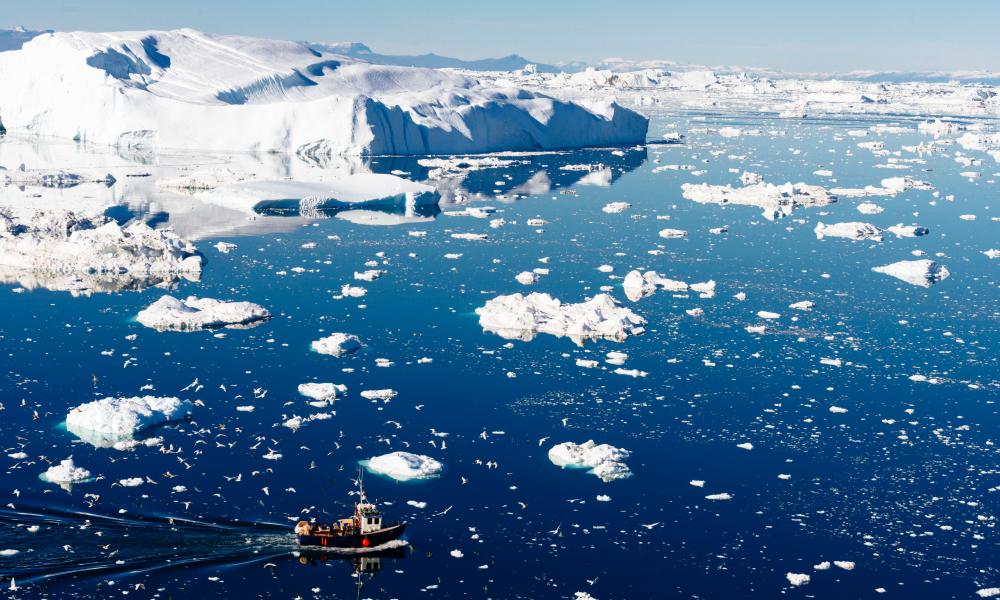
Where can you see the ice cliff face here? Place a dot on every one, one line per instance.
(192, 90)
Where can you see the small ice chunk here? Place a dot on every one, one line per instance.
(65, 472)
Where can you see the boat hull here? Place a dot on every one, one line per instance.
(360, 541)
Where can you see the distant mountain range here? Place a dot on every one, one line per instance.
(431, 61)
(13, 39)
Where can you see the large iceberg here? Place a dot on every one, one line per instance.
(193, 314)
(114, 422)
(520, 317)
(186, 89)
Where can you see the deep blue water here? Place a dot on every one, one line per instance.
(913, 503)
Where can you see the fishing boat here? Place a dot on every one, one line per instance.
(365, 529)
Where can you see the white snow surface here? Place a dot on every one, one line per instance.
(193, 314)
(104, 423)
(186, 89)
(404, 466)
(518, 316)
(603, 460)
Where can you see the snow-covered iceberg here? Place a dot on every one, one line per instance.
(518, 316)
(80, 252)
(115, 422)
(404, 466)
(923, 273)
(186, 89)
(192, 314)
(603, 460)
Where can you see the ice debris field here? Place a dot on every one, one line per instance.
(731, 336)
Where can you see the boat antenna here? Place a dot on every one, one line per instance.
(361, 484)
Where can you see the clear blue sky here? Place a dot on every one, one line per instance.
(801, 35)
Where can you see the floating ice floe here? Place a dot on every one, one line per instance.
(65, 474)
(185, 89)
(923, 272)
(322, 392)
(719, 497)
(404, 466)
(672, 233)
(193, 314)
(907, 231)
(83, 253)
(616, 207)
(802, 305)
(337, 344)
(521, 317)
(637, 285)
(869, 208)
(115, 422)
(851, 230)
(603, 460)
(797, 579)
(776, 201)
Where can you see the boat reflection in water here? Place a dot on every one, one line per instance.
(365, 566)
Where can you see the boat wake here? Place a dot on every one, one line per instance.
(52, 543)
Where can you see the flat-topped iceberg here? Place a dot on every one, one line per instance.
(337, 344)
(186, 89)
(361, 190)
(404, 466)
(776, 201)
(193, 314)
(602, 460)
(115, 422)
(63, 249)
(922, 272)
(518, 316)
